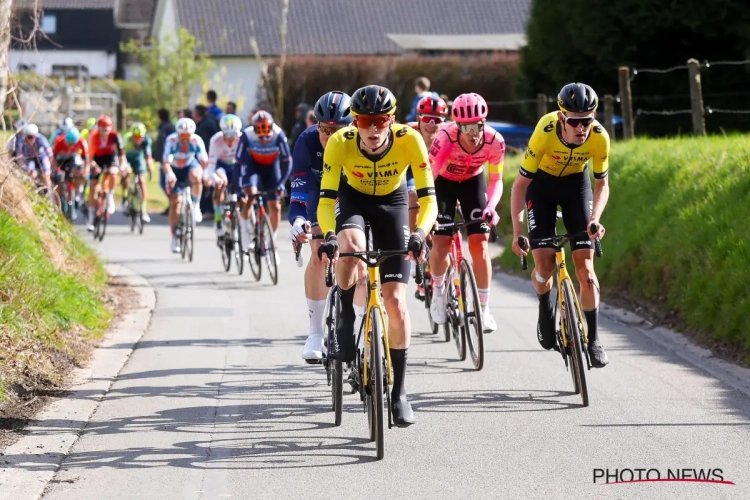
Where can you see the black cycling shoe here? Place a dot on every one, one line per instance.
(597, 355)
(353, 381)
(546, 336)
(403, 415)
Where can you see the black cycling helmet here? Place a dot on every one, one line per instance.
(577, 98)
(373, 100)
(334, 108)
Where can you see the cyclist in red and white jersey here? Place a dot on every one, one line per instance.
(458, 155)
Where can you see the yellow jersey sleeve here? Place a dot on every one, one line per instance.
(419, 160)
(329, 184)
(600, 156)
(536, 148)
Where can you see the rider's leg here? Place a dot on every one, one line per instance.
(315, 293)
(196, 189)
(350, 240)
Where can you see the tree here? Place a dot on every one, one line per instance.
(170, 68)
(4, 47)
(587, 40)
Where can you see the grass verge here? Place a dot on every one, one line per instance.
(677, 235)
(51, 293)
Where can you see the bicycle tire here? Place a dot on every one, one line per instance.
(473, 318)
(103, 218)
(190, 234)
(226, 244)
(337, 369)
(139, 209)
(252, 256)
(131, 211)
(454, 324)
(375, 367)
(449, 279)
(183, 222)
(237, 241)
(427, 285)
(575, 340)
(269, 249)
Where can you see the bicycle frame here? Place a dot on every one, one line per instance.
(562, 275)
(374, 300)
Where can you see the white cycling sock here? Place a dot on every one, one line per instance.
(317, 309)
(91, 215)
(359, 316)
(484, 296)
(438, 283)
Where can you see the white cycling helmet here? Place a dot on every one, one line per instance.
(30, 130)
(231, 125)
(66, 124)
(185, 126)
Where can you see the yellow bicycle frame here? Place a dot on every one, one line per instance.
(373, 300)
(562, 276)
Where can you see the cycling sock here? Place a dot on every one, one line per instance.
(317, 310)
(592, 321)
(484, 296)
(438, 282)
(195, 199)
(359, 317)
(347, 303)
(217, 213)
(546, 312)
(398, 360)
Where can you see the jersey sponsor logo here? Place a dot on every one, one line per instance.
(579, 159)
(320, 153)
(423, 166)
(555, 157)
(396, 275)
(327, 167)
(297, 182)
(358, 174)
(549, 127)
(531, 219)
(387, 173)
(455, 169)
(402, 132)
(597, 129)
(435, 149)
(349, 135)
(529, 153)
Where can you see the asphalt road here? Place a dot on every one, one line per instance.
(216, 402)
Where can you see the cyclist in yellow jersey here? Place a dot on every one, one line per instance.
(373, 156)
(554, 172)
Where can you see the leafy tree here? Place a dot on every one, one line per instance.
(587, 40)
(170, 69)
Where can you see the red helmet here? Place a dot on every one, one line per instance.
(431, 105)
(104, 122)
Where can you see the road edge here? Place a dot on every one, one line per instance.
(733, 375)
(31, 463)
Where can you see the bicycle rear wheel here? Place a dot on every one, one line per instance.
(252, 255)
(103, 217)
(335, 366)
(226, 244)
(574, 336)
(472, 315)
(454, 323)
(427, 285)
(189, 234)
(139, 208)
(184, 223)
(268, 248)
(375, 383)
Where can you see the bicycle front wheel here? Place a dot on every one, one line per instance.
(335, 366)
(573, 325)
(375, 382)
(472, 314)
(138, 200)
(427, 285)
(189, 234)
(103, 217)
(239, 256)
(268, 248)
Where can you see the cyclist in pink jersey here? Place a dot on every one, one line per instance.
(458, 157)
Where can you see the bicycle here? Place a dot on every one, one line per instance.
(67, 200)
(572, 333)
(372, 365)
(464, 314)
(101, 216)
(135, 204)
(232, 239)
(262, 245)
(186, 226)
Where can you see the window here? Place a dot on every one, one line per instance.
(49, 24)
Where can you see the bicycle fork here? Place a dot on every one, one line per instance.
(372, 301)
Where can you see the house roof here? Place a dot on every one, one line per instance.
(343, 27)
(65, 4)
(135, 11)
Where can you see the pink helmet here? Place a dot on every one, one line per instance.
(469, 108)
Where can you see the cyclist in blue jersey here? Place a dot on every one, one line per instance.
(32, 153)
(183, 163)
(265, 162)
(333, 113)
(62, 128)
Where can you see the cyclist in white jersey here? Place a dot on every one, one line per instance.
(223, 169)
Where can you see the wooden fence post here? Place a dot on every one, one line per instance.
(120, 116)
(696, 97)
(609, 116)
(541, 105)
(626, 103)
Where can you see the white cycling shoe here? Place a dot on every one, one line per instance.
(313, 350)
(489, 324)
(145, 217)
(197, 214)
(438, 308)
(175, 245)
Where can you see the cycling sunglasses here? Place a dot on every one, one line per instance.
(380, 121)
(576, 122)
(328, 129)
(471, 128)
(427, 119)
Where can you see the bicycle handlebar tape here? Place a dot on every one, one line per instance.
(329, 276)
(522, 244)
(594, 227)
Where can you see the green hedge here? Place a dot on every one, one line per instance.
(677, 230)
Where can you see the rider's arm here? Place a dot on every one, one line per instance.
(423, 178)
(439, 152)
(495, 170)
(84, 149)
(329, 185)
(301, 167)
(120, 146)
(201, 155)
(149, 154)
(601, 171)
(285, 158)
(168, 157)
(213, 155)
(518, 203)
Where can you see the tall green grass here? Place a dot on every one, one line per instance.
(678, 231)
(45, 311)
